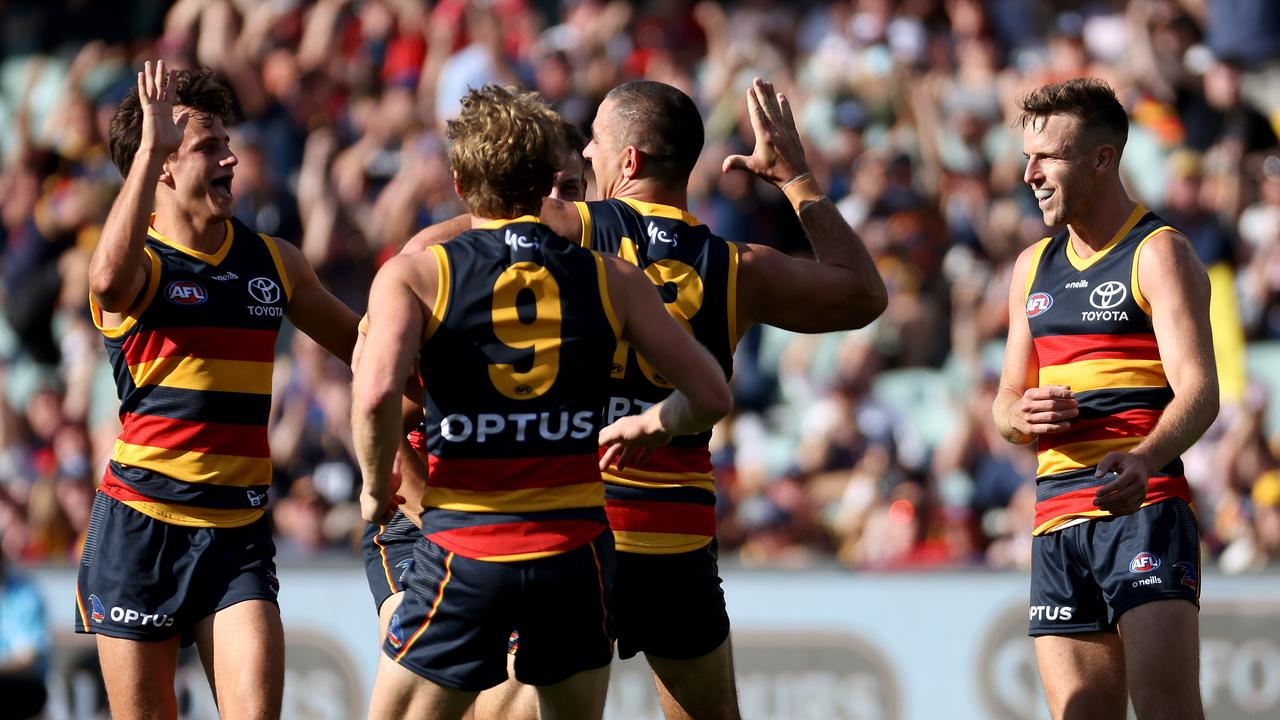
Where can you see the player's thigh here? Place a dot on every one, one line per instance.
(1083, 675)
(242, 647)
(580, 697)
(512, 700)
(700, 688)
(1162, 648)
(139, 677)
(401, 693)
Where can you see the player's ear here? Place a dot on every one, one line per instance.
(1106, 157)
(457, 187)
(632, 161)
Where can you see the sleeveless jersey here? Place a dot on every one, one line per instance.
(668, 505)
(192, 364)
(1092, 331)
(514, 369)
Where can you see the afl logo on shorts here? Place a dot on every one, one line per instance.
(96, 611)
(1143, 563)
(185, 292)
(1039, 303)
(264, 290)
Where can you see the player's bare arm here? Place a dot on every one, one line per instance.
(396, 316)
(314, 310)
(118, 269)
(1176, 287)
(843, 289)
(1023, 410)
(702, 394)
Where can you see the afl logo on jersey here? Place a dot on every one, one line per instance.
(185, 292)
(1108, 295)
(264, 290)
(1038, 304)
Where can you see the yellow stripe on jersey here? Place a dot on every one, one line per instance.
(193, 373)
(441, 305)
(651, 543)
(669, 212)
(188, 516)
(1081, 455)
(1138, 297)
(502, 222)
(578, 495)
(1109, 373)
(213, 259)
(196, 467)
(135, 312)
(603, 279)
(1035, 265)
(731, 298)
(585, 215)
(1080, 263)
(275, 258)
(641, 479)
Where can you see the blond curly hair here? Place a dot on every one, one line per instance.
(505, 149)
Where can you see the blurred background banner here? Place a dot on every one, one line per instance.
(850, 454)
(814, 644)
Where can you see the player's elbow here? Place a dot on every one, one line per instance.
(714, 401)
(113, 291)
(857, 305)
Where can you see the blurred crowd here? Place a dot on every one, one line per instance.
(874, 447)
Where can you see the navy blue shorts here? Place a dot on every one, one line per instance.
(388, 556)
(669, 606)
(1084, 577)
(455, 623)
(143, 579)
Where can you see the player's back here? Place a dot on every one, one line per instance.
(668, 505)
(515, 369)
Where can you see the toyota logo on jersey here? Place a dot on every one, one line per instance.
(1108, 295)
(1039, 303)
(264, 290)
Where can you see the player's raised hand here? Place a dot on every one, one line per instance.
(161, 131)
(631, 440)
(1045, 409)
(778, 155)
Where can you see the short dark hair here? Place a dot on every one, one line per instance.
(574, 140)
(199, 90)
(1090, 100)
(663, 123)
(505, 150)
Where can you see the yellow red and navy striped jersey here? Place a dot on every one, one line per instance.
(668, 505)
(515, 368)
(192, 363)
(1092, 331)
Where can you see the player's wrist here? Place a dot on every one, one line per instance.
(802, 190)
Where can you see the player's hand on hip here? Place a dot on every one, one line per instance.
(161, 131)
(378, 509)
(778, 155)
(631, 440)
(1046, 409)
(1126, 488)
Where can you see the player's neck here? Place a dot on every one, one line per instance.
(202, 233)
(651, 191)
(1103, 219)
